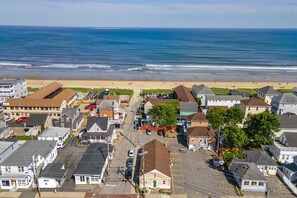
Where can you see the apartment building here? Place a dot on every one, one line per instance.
(12, 88)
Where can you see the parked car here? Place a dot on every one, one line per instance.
(128, 173)
(160, 132)
(7, 119)
(136, 127)
(129, 162)
(60, 145)
(117, 125)
(91, 107)
(131, 153)
(149, 132)
(22, 119)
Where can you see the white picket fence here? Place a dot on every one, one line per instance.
(287, 181)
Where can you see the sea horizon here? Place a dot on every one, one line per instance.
(149, 52)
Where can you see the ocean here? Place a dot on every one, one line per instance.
(148, 53)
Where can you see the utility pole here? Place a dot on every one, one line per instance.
(143, 152)
(218, 139)
(36, 174)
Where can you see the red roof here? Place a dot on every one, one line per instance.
(254, 102)
(184, 94)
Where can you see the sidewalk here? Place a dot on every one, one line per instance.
(10, 194)
(62, 194)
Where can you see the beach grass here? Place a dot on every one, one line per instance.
(112, 91)
(248, 90)
(285, 90)
(32, 89)
(156, 91)
(220, 91)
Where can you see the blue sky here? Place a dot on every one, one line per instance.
(151, 13)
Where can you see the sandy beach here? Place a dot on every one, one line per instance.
(137, 86)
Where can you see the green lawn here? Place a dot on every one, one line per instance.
(156, 91)
(24, 137)
(32, 89)
(97, 90)
(248, 90)
(220, 91)
(285, 90)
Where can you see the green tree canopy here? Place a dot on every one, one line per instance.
(217, 117)
(234, 137)
(199, 104)
(261, 127)
(234, 115)
(164, 114)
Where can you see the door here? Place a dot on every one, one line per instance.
(154, 183)
(88, 180)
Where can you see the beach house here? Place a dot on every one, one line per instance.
(267, 93)
(48, 100)
(157, 167)
(224, 100)
(201, 91)
(284, 103)
(253, 106)
(200, 138)
(71, 118)
(52, 176)
(12, 88)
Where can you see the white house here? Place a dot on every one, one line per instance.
(285, 103)
(7, 148)
(263, 161)
(202, 91)
(247, 176)
(93, 164)
(55, 133)
(15, 88)
(18, 169)
(224, 100)
(52, 176)
(99, 129)
(285, 148)
(267, 93)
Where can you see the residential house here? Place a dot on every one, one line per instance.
(12, 88)
(248, 177)
(285, 148)
(150, 102)
(263, 161)
(38, 122)
(288, 123)
(55, 133)
(93, 164)
(52, 176)
(99, 129)
(7, 148)
(197, 120)
(188, 108)
(157, 166)
(112, 97)
(49, 100)
(71, 118)
(5, 130)
(200, 138)
(108, 108)
(285, 103)
(183, 94)
(253, 106)
(201, 91)
(267, 93)
(18, 168)
(290, 170)
(224, 100)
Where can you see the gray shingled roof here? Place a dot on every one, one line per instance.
(54, 171)
(188, 106)
(5, 145)
(108, 104)
(23, 155)
(93, 159)
(291, 139)
(247, 171)
(102, 122)
(101, 134)
(54, 132)
(202, 89)
(259, 158)
(36, 119)
(286, 98)
(4, 81)
(288, 121)
(70, 112)
(268, 90)
(226, 97)
(291, 166)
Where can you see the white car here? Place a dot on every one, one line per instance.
(60, 145)
(131, 153)
(7, 119)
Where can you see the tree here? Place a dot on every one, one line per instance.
(261, 127)
(234, 136)
(234, 115)
(164, 114)
(217, 117)
(199, 104)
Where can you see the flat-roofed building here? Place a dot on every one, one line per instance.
(49, 100)
(12, 88)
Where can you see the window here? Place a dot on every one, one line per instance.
(94, 178)
(254, 183)
(21, 169)
(67, 120)
(22, 182)
(261, 183)
(82, 178)
(249, 108)
(164, 181)
(192, 139)
(62, 119)
(7, 169)
(246, 183)
(5, 183)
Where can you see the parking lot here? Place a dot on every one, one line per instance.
(194, 176)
